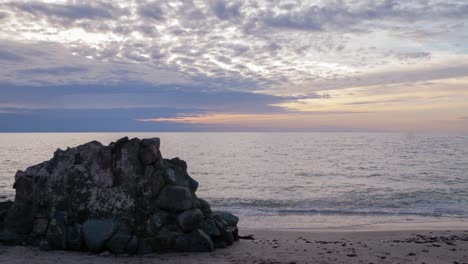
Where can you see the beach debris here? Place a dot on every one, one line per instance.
(247, 237)
(123, 198)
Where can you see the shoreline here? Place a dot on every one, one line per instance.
(348, 223)
(292, 246)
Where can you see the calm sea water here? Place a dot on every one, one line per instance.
(271, 174)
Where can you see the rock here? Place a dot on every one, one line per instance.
(229, 218)
(132, 245)
(144, 247)
(195, 241)
(175, 199)
(123, 198)
(96, 233)
(74, 237)
(20, 216)
(210, 228)
(147, 142)
(149, 155)
(5, 205)
(164, 240)
(56, 234)
(227, 235)
(204, 206)
(119, 241)
(158, 219)
(7, 237)
(40, 226)
(189, 220)
(176, 174)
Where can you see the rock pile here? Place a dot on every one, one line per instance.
(124, 198)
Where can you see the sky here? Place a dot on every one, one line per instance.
(315, 66)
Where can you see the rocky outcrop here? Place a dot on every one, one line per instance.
(123, 198)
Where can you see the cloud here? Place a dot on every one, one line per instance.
(151, 10)
(270, 45)
(8, 56)
(92, 10)
(120, 107)
(132, 95)
(346, 15)
(413, 55)
(224, 10)
(259, 53)
(53, 71)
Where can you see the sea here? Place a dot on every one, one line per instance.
(297, 180)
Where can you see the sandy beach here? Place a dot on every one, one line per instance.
(292, 246)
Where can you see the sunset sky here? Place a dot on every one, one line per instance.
(349, 65)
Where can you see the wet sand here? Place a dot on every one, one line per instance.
(291, 246)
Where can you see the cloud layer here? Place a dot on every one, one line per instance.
(267, 55)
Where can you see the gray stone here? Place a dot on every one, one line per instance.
(5, 205)
(227, 235)
(20, 216)
(229, 218)
(8, 237)
(164, 240)
(157, 220)
(74, 237)
(204, 206)
(132, 245)
(120, 240)
(57, 231)
(144, 247)
(40, 226)
(189, 220)
(195, 241)
(96, 233)
(146, 142)
(210, 228)
(176, 174)
(149, 155)
(175, 199)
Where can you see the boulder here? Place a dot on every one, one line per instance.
(120, 240)
(120, 198)
(74, 237)
(57, 231)
(157, 220)
(97, 233)
(189, 220)
(204, 206)
(229, 218)
(210, 228)
(175, 199)
(195, 241)
(4, 207)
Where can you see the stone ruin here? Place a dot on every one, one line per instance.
(123, 198)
